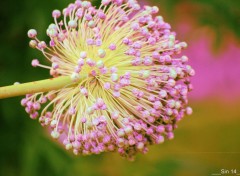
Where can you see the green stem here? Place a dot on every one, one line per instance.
(35, 87)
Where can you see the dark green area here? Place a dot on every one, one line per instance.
(222, 16)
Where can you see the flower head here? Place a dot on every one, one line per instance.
(128, 88)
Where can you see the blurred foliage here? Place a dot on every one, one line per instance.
(222, 16)
(27, 150)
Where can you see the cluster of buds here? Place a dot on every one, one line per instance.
(135, 84)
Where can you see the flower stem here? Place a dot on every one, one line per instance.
(35, 87)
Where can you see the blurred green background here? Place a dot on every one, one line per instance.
(204, 143)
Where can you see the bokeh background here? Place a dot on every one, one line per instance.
(204, 144)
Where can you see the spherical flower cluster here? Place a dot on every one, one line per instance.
(129, 85)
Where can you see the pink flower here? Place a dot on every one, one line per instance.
(135, 87)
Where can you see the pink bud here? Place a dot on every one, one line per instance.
(32, 33)
(84, 91)
(107, 85)
(42, 45)
(56, 14)
(35, 62)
